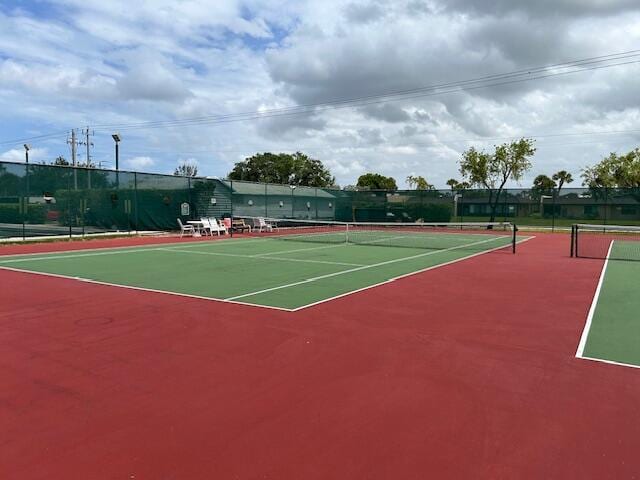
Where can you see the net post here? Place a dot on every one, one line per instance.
(514, 228)
(573, 232)
(346, 233)
(575, 241)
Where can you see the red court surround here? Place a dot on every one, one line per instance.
(466, 371)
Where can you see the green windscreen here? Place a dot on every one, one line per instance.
(43, 200)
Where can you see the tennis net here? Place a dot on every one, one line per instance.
(618, 242)
(436, 236)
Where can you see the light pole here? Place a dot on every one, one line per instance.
(27, 147)
(116, 138)
(292, 187)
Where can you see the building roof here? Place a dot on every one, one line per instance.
(249, 188)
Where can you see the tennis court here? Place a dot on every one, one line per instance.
(295, 266)
(104, 377)
(612, 330)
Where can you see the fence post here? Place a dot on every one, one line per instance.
(231, 197)
(25, 201)
(606, 197)
(135, 200)
(504, 206)
(553, 211)
(75, 188)
(189, 198)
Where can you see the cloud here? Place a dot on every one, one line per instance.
(139, 163)
(149, 80)
(291, 127)
(55, 80)
(73, 63)
(543, 8)
(387, 112)
(364, 12)
(18, 155)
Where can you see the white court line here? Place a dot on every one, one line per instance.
(153, 246)
(263, 257)
(79, 255)
(123, 249)
(94, 252)
(365, 267)
(432, 267)
(592, 309)
(143, 289)
(302, 249)
(10, 259)
(610, 362)
(214, 299)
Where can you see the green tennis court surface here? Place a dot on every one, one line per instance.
(281, 271)
(612, 332)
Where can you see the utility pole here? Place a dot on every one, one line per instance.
(74, 143)
(87, 142)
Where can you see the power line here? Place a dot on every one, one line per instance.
(439, 89)
(439, 141)
(518, 76)
(37, 137)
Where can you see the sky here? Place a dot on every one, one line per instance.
(351, 83)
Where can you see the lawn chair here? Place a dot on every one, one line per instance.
(261, 225)
(206, 226)
(226, 223)
(222, 228)
(186, 229)
(239, 225)
(216, 227)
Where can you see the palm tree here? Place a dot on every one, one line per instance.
(419, 182)
(562, 177)
(456, 185)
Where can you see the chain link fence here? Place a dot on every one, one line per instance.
(44, 200)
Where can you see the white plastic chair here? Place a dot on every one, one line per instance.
(206, 226)
(186, 229)
(217, 226)
(262, 224)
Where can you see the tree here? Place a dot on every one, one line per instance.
(543, 185)
(562, 177)
(283, 168)
(456, 185)
(614, 171)
(186, 169)
(419, 182)
(375, 181)
(61, 161)
(492, 171)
